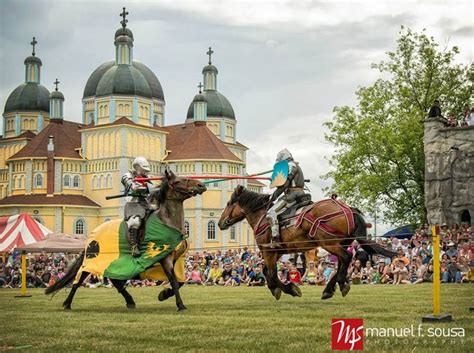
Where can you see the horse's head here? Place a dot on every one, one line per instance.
(178, 188)
(241, 203)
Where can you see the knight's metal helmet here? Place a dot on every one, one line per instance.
(284, 155)
(141, 166)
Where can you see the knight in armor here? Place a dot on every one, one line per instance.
(285, 195)
(136, 209)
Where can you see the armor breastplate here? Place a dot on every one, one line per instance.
(298, 180)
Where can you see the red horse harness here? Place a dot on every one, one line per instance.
(317, 223)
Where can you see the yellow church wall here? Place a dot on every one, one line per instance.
(190, 203)
(8, 149)
(211, 199)
(72, 214)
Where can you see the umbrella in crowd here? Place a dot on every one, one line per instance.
(19, 230)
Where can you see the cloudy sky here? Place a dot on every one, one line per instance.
(283, 65)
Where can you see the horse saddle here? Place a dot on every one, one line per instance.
(286, 217)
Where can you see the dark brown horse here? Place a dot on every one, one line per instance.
(171, 195)
(245, 204)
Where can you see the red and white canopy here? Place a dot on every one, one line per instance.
(20, 230)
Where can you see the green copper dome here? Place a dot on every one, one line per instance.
(211, 68)
(123, 32)
(136, 79)
(33, 59)
(217, 106)
(29, 96)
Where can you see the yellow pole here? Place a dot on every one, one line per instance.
(436, 273)
(23, 277)
(23, 274)
(436, 316)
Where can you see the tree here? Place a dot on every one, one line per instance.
(379, 143)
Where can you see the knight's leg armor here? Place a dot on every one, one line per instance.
(133, 224)
(272, 217)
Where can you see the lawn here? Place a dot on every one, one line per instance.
(228, 320)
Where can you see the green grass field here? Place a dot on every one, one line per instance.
(227, 320)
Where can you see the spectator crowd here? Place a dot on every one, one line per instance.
(244, 267)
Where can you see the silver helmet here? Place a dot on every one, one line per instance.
(141, 165)
(284, 155)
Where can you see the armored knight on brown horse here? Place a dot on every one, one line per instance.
(289, 222)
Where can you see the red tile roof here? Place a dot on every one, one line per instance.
(255, 182)
(27, 134)
(42, 199)
(195, 141)
(66, 139)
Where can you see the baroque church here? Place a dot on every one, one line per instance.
(60, 171)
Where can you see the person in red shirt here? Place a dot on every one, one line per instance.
(294, 275)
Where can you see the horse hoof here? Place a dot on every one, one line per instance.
(131, 306)
(345, 290)
(296, 291)
(326, 295)
(182, 308)
(67, 307)
(162, 297)
(277, 293)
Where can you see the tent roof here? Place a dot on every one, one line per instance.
(18, 230)
(57, 242)
(402, 232)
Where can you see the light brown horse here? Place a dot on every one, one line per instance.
(245, 204)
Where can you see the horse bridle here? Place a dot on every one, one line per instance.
(229, 222)
(185, 190)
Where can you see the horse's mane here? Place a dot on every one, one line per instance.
(251, 200)
(160, 195)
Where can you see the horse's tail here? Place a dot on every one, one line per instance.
(360, 234)
(68, 277)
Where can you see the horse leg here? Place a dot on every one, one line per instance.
(120, 286)
(344, 285)
(67, 303)
(167, 264)
(271, 258)
(331, 285)
(272, 285)
(167, 293)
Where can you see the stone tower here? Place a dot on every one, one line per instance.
(449, 172)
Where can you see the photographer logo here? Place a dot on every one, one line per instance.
(347, 334)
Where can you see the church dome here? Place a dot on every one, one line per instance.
(124, 32)
(30, 96)
(56, 95)
(136, 79)
(210, 68)
(33, 60)
(217, 105)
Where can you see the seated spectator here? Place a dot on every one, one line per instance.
(435, 110)
(365, 273)
(195, 276)
(328, 271)
(283, 279)
(452, 121)
(310, 274)
(235, 279)
(294, 275)
(258, 279)
(400, 272)
(356, 276)
(452, 251)
(226, 274)
(215, 274)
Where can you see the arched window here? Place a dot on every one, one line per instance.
(108, 181)
(79, 226)
(101, 182)
(76, 181)
(186, 228)
(94, 182)
(67, 181)
(39, 180)
(233, 235)
(211, 230)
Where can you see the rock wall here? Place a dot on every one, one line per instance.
(449, 172)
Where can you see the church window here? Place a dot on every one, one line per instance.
(211, 230)
(14, 182)
(233, 235)
(101, 182)
(79, 226)
(108, 181)
(38, 180)
(76, 181)
(94, 182)
(67, 181)
(186, 228)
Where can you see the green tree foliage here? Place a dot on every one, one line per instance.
(379, 143)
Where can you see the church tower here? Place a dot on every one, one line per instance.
(220, 117)
(27, 107)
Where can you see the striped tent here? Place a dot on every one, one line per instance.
(20, 230)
